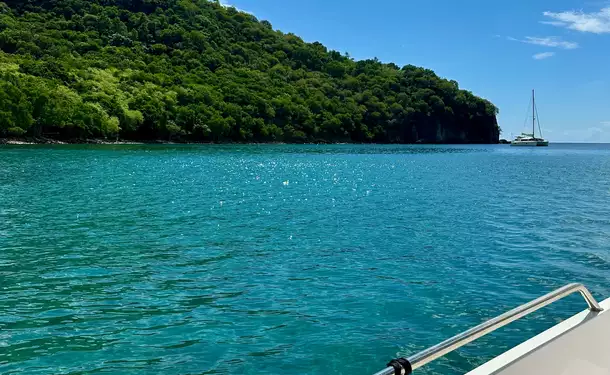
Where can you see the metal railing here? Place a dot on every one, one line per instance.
(422, 358)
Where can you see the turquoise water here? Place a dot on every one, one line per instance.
(287, 259)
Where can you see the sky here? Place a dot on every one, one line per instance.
(498, 49)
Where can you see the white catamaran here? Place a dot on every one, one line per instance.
(530, 139)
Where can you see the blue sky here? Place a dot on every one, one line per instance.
(497, 49)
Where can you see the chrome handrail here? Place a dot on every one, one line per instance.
(422, 358)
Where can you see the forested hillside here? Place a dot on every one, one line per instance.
(193, 70)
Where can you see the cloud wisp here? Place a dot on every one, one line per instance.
(548, 41)
(543, 55)
(595, 22)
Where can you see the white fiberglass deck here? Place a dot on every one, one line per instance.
(577, 346)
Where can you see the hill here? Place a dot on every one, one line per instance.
(193, 70)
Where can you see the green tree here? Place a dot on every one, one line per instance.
(194, 70)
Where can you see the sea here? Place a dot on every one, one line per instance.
(288, 259)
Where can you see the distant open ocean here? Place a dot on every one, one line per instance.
(282, 259)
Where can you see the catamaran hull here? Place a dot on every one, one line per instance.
(530, 143)
(526, 144)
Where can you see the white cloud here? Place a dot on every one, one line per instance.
(606, 124)
(548, 41)
(554, 23)
(595, 22)
(551, 41)
(226, 4)
(543, 55)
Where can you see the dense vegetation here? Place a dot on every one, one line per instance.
(194, 70)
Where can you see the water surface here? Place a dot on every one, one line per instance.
(287, 259)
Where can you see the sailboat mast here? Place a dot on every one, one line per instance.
(533, 114)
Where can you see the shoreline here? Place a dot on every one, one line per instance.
(97, 141)
(91, 141)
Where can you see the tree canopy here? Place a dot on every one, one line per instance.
(194, 70)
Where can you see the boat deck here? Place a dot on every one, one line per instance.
(579, 345)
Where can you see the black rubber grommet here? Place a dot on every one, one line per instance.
(401, 366)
